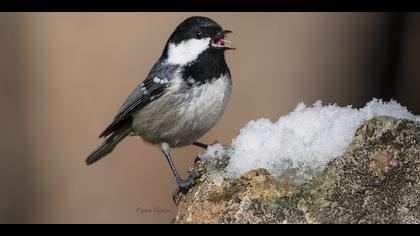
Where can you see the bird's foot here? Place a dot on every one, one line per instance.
(185, 185)
(198, 158)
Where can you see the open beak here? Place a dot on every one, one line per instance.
(220, 42)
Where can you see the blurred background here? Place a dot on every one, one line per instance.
(64, 75)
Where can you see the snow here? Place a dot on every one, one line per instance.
(216, 150)
(299, 145)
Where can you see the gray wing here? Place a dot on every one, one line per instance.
(151, 89)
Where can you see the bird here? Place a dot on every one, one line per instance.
(182, 98)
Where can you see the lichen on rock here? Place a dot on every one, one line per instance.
(376, 180)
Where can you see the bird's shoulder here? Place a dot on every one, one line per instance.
(158, 79)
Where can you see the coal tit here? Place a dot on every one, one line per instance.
(183, 96)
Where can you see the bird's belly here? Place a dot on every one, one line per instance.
(181, 118)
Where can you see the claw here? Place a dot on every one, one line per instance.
(184, 186)
(197, 158)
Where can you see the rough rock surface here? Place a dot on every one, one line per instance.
(377, 180)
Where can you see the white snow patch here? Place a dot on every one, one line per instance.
(299, 145)
(216, 150)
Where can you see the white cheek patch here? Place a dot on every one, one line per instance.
(186, 51)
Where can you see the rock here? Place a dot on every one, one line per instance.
(377, 180)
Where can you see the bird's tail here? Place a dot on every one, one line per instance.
(109, 144)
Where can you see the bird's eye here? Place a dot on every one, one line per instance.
(199, 35)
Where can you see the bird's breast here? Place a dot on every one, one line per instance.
(207, 101)
(182, 116)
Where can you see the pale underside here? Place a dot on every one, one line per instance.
(182, 116)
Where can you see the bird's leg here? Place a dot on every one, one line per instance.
(166, 151)
(183, 185)
(202, 145)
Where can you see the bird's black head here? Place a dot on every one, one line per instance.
(194, 36)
